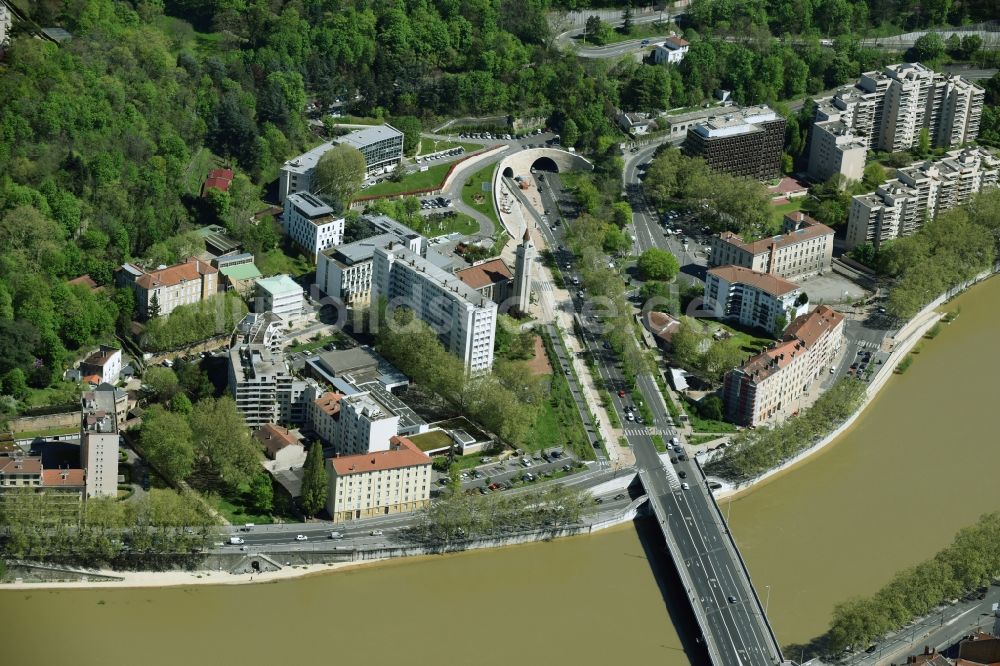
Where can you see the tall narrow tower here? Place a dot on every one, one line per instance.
(525, 256)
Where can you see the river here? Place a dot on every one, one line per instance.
(890, 493)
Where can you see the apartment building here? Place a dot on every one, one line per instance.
(918, 193)
(771, 384)
(264, 389)
(804, 248)
(159, 291)
(263, 328)
(397, 480)
(99, 440)
(345, 272)
(671, 51)
(492, 278)
(281, 295)
(20, 471)
(752, 299)
(887, 111)
(311, 224)
(464, 320)
(381, 146)
(746, 142)
(323, 415)
(106, 363)
(364, 425)
(835, 149)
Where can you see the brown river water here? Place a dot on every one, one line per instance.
(918, 465)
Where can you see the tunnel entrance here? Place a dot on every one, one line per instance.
(508, 172)
(545, 164)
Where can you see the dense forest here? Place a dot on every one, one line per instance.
(104, 138)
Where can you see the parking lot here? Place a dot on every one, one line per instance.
(440, 155)
(435, 203)
(497, 475)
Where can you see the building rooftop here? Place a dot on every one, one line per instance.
(808, 228)
(673, 42)
(21, 465)
(252, 361)
(363, 138)
(347, 361)
(492, 271)
(402, 453)
(217, 239)
(329, 403)
(810, 327)
(309, 205)
(279, 285)
(63, 478)
(274, 438)
(661, 324)
(241, 272)
(307, 160)
(771, 284)
(168, 276)
(769, 361)
(447, 281)
(743, 121)
(359, 251)
(367, 405)
(102, 356)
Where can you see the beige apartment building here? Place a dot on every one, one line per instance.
(771, 384)
(919, 193)
(323, 415)
(169, 287)
(805, 247)
(379, 483)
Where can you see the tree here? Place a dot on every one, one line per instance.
(621, 213)
(154, 306)
(971, 45)
(314, 481)
(657, 264)
(339, 173)
(15, 384)
(570, 133)
(262, 492)
(220, 434)
(627, 20)
(166, 442)
(593, 28)
(162, 382)
(928, 46)
(181, 404)
(411, 129)
(616, 241)
(923, 143)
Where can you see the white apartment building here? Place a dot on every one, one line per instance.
(752, 299)
(311, 224)
(345, 272)
(281, 295)
(263, 388)
(919, 193)
(364, 425)
(834, 149)
(772, 383)
(106, 363)
(324, 414)
(169, 287)
(804, 248)
(264, 328)
(99, 443)
(397, 480)
(671, 51)
(464, 320)
(381, 146)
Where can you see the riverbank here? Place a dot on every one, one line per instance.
(152, 579)
(905, 340)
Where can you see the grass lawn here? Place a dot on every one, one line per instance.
(460, 223)
(60, 393)
(197, 169)
(474, 195)
(746, 340)
(431, 440)
(418, 180)
(275, 262)
(558, 423)
(638, 31)
(47, 432)
(336, 338)
(779, 211)
(237, 508)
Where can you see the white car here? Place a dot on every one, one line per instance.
(376, 532)
(301, 537)
(686, 486)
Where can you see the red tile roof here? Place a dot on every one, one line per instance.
(274, 438)
(219, 179)
(402, 453)
(84, 280)
(63, 478)
(329, 402)
(21, 465)
(92, 379)
(676, 41)
(192, 269)
(810, 327)
(101, 357)
(771, 284)
(486, 273)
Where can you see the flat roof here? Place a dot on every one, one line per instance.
(359, 251)
(216, 237)
(434, 273)
(408, 419)
(343, 361)
(241, 272)
(309, 204)
(363, 138)
(279, 285)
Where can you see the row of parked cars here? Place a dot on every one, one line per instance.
(440, 155)
(437, 202)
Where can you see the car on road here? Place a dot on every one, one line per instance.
(620, 496)
(686, 486)
(732, 599)
(336, 535)
(682, 457)
(682, 474)
(871, 648)
(235, 541)
(621, 393)
(673, 459)
(376, 532)
(301, 537)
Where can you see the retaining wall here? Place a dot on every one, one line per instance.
(63, 420)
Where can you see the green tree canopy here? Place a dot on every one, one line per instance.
(339, 173)
(657, 264)
(220, 434)
(166, 442)
(314, 481)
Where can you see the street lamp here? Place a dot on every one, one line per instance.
(767, 601)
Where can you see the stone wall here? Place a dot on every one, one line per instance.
(62, 420)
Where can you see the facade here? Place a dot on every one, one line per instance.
(381, 146)
(752, 299)
(280, 444)
(345, 272)
(671, 51)
(834, 149)
(168, 287)
(106, 363)
(918, 193)
(263, 388)
(5, 25)
(770, 384)
(311, 224)
(364, 425)
(491, 278)
(636, 123)
(323, 415)
(281, 295)
(376, 484)
(804, 248)
(28, 472)
(106, 398)
(887, 111)
(239, 273)
(747, 142)
(99, 443)
(464, 320)
(524, 259)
